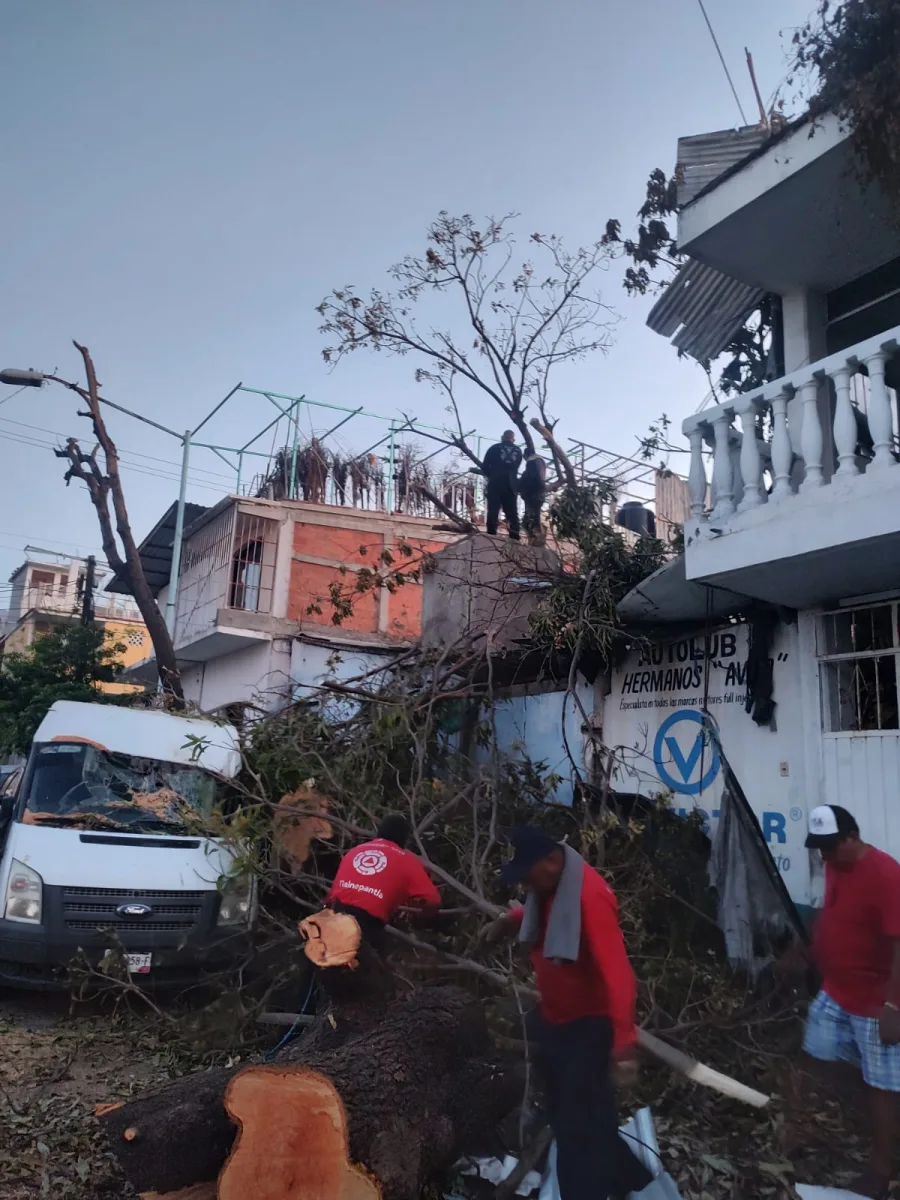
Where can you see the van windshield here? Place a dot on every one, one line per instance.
(72, 783)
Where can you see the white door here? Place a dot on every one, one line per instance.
(859, 672)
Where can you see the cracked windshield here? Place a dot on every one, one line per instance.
(84, 786)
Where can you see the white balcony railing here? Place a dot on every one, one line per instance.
(67, 599)
(833, 419)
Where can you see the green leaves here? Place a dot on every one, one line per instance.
(66, 664)
(580, 608)
(850, 51)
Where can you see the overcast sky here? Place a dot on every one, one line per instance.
(183, 181)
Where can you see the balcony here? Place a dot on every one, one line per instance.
(225, 594)
(66, 600)
(802, 504)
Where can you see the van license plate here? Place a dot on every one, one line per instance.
(139, 964)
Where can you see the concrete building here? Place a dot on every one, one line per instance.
(786, 600)
(47, 590)
(253, 619)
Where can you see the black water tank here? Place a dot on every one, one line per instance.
(634, 516)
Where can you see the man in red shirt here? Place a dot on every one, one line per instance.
(856, 945)
(585, 1017)
(377, 879)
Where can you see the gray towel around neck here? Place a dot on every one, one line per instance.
(563, 938)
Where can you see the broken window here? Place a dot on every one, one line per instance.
(858, 651)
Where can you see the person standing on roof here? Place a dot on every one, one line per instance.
(379, 878)
(501, 468)
(855, 1018)
(585, 1019)
(533, 490)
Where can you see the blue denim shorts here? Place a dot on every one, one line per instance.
(834, 1035)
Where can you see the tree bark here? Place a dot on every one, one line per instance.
(417, 1076)
(562, 459)
(100, 487)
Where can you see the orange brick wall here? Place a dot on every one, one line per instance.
(363, 548)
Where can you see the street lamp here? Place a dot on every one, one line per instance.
(21, 378)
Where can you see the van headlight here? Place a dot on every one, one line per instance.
(237, 899)
(24, 895)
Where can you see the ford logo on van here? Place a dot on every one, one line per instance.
(134, 910)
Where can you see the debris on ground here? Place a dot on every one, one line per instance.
(56, 1068)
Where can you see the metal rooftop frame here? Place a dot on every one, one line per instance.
(634, 478)
(395, 427)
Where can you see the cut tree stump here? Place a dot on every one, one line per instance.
(292, 1139)
(417, 1079)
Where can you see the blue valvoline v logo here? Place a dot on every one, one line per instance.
(686, 761)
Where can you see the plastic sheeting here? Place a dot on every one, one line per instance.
(641, 1132)
(754, 906)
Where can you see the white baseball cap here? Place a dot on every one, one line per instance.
(828, 824)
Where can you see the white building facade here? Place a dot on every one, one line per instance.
(795, 501)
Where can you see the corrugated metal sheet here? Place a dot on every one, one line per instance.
(673, 502)
(702, 309)
(156, 550)
(705, 156)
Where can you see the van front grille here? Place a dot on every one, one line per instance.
(96, 910)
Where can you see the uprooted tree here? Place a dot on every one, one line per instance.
(400, 1072)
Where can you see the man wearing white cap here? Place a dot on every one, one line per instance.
(856, 945)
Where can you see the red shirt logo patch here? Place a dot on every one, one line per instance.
(370, 862)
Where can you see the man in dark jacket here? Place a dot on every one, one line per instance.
(500, 468)
(533, 490)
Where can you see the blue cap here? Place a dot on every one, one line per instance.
(529, 846)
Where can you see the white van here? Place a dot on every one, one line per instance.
(100, 849)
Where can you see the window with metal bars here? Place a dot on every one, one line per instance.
(858, 651)
(253, 563)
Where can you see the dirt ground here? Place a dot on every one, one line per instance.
(57, 1063)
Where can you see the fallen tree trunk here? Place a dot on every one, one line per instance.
(292, 1129)
(416, 1077)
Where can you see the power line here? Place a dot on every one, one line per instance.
(34, 538)
(17, 392)
(122, 450)
(134, 468)
(715, 40)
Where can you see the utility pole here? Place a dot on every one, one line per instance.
(87, 595)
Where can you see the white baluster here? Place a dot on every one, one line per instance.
(751, 463)
(879, 413)
(782, 453)
(811, 438)
(697, 476)
(737, 479)
(845, 433)
(722, 467)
